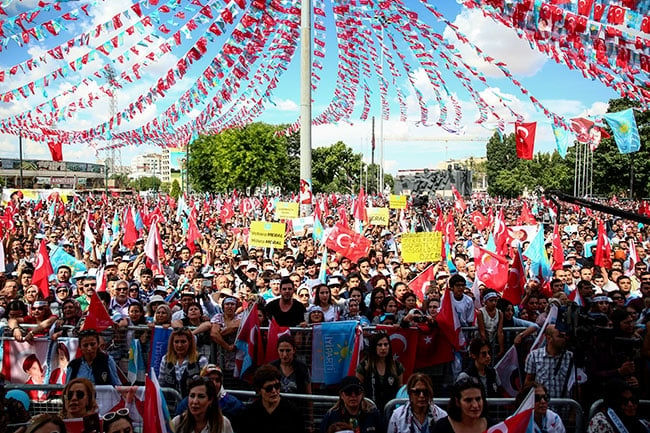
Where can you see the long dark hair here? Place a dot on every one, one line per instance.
(213, 414)
(391, 366)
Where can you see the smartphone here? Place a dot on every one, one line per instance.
(91, 423)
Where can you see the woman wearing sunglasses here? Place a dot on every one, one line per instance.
(203, 414)
(546, 421)
(270, 410)
(467, 409)
(620, 411)
(419, 412)
(117, 422)
(78, 399)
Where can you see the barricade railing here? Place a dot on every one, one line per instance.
(500, 408)
(643, 408)
(107, 396)
(118, 349)
(313, 407)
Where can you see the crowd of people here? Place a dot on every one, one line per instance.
(597, 348)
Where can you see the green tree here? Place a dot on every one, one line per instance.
(120, 180)
(148, 183)
(175, 189)
(335, 168)
(611, 169)
(240, 157)
(165, 187)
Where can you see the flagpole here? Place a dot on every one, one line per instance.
(20, 154)
(305, 103)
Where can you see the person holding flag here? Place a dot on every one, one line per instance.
(545, 420)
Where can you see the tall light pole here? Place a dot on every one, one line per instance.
(305, 194)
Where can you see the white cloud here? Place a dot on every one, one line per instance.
(284, 105)
(496, 41)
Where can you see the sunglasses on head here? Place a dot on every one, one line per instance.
(78, 393)
(121, 413)
(271, 387)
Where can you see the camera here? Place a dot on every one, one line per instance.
(419, 319)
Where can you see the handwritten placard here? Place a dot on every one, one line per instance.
(421, 247)
(397, 202)
(285, 210)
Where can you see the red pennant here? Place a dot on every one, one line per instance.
(97, 317)
(55, 150)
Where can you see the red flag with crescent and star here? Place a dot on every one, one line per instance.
(347, 243)
(42, 270)
(404, 343)
(525, 136)
(478, 220)
(491, 269)
(420, 283)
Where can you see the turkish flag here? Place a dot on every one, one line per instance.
(130, 232)
(226, 212)
(154, 250)
(97, 317)
(43, 270)
(448, 322)
(275, 332)
(360, 207)
(420, 283)
(55, 150)
(527, 216)
(514, 290)
(347, 243)
(558, 250)
(404, 343)
(459, 203)
(525, 136)
(491, 269)
(582, 128)
(500, 233)
(433, 348)
(518, 422)
(478, 220)
(193, 235)
(450, 230)
(603, 248)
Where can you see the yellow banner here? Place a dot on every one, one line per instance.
(266, 234)
(421, 247)
(397, 202)
(285, 210)
(377, 216)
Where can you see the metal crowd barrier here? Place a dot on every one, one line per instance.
(313, 407)
(500, 408)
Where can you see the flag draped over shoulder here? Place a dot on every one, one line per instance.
(335, 351)
(626, 133)
(448, 322)
(403, 342)
(249, 343)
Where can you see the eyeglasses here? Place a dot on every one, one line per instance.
(419, 391)
(353, 391)
(540, 397)
(122, 413)
(121, 289)
(271, 387)
(78, 393)
(89, 285)
(304, 295)
(38, 308)
(62, 291)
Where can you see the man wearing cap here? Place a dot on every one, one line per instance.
(352, 409)
(286, 310)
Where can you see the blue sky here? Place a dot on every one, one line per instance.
(406, 145)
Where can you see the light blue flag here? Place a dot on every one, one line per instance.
(332, 347)
(139, 224)
(536, 252)
(136, 367)
(626, 134)
(115, 226)
(561, 140)
(318, 232)
(490, 245)
(322, 274)
(450, 262)
(58, 257)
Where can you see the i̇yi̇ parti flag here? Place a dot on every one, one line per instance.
(249, 343)
(525, 139)
(59, 257)
(536, 252)
(334, 351)
(561, 140)
(136, 366)
(626, 133)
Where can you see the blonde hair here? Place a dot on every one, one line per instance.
(192, 353)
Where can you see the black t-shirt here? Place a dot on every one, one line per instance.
(294, 317)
